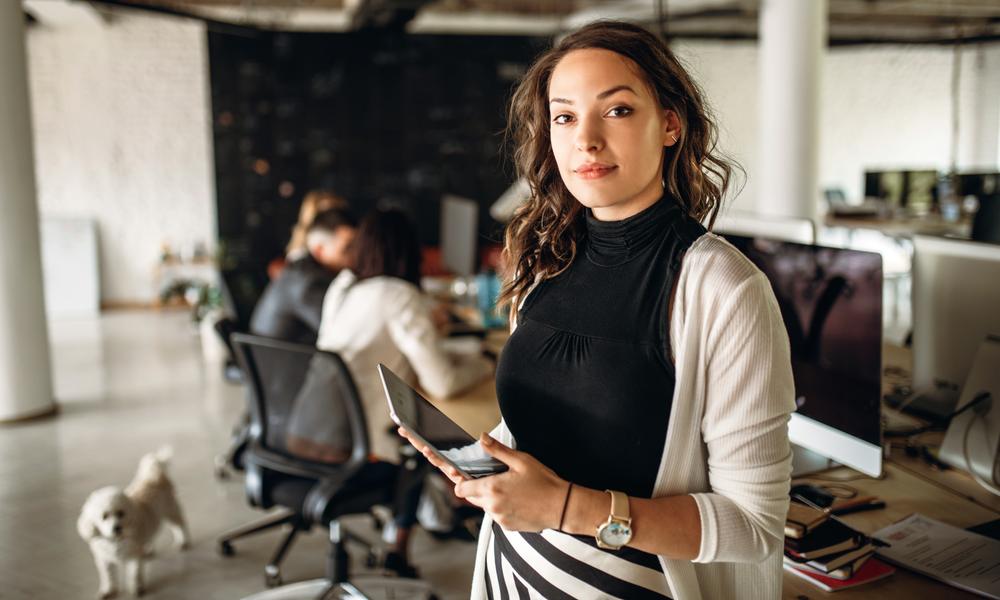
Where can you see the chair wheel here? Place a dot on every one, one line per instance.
(272, 581)
(226, 549)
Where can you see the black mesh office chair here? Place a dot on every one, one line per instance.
(308, 450)
(232, 458)
(236, 319)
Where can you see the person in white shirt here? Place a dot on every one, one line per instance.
(376, 313)
(647, 384)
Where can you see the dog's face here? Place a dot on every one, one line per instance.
(107, 513)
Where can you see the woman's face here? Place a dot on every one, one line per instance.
(608, 132)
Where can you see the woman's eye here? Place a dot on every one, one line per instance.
(105, 516)
(619, 111)
(562, 119)
(120, 513)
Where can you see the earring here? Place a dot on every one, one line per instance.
(673, 138)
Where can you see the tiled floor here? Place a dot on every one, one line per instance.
(128, 383)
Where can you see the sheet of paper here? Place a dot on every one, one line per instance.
(955, 556)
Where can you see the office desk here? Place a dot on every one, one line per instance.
(905, 227)
(908, 486)
(476, 410)
(905, 492)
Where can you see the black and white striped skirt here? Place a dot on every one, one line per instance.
(555, 565)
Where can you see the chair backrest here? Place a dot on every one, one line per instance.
(305, 411)
(225, 328)
(240, 289)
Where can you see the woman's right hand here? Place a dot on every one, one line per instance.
(449, 471)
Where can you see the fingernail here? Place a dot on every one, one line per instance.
(485, 439)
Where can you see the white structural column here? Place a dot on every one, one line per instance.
(983, 130)
(792, 45)
(25, 378)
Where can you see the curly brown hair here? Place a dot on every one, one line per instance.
(541, 239)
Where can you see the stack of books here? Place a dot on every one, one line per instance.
(827, 552)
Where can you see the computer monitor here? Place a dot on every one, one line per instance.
(921, 191)
(887, 186)
(986, 223)
(956, 304)
(459, 227)
(831, 303)
(985, 188)
(789, 229)
(978, 184)
(914, 190)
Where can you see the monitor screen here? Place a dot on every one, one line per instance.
(978, 184)
(459, 227)
(916, 191)
(831, 303)
(956, 295)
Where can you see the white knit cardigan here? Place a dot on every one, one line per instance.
(727, 440)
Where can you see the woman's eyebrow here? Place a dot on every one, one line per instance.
(617, 88)
(601, 96)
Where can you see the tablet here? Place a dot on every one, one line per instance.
(429, 425)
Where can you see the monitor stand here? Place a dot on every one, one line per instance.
(806, 462)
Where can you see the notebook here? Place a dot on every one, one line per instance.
(872, 570)
(803, 519)
(830, 537)
(844, 572)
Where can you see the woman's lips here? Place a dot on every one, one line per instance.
(594, 170)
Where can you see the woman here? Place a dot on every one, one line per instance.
(648, 370)
(376, 313)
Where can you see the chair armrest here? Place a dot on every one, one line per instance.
(268, 459)
(319, 497)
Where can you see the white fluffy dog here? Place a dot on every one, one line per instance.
(120, 525)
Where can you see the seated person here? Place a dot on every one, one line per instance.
(376, 313)
(314, 202)
(291, 305)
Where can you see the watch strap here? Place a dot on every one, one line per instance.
(619, 506)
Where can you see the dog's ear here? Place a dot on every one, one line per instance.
(85, 525)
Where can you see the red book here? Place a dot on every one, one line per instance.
(873, 570)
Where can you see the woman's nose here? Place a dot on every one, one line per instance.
(588, 136)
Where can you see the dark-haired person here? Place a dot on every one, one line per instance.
(291, 305)
(375, 313)
(647, 386)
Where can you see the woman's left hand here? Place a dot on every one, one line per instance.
(527, 497)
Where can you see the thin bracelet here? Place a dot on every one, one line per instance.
(562, 516)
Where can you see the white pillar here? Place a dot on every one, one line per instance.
(792, 44)
(25, 379)
(980, 137)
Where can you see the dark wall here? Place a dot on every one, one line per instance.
(378, 118)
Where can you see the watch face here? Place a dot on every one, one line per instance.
(616, 534)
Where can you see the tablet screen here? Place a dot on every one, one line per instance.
(421, 418)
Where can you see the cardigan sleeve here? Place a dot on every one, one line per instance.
(413, 332)
(748, 398)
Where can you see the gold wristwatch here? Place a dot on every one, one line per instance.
(617, 530)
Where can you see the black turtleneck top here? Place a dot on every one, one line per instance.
(586, 381)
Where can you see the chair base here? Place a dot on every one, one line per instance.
(272, 570)
(360, 588)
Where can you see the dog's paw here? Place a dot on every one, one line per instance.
(140, 590)
(105, 594)
(185, 544)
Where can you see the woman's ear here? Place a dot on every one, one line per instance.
(671, 127)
